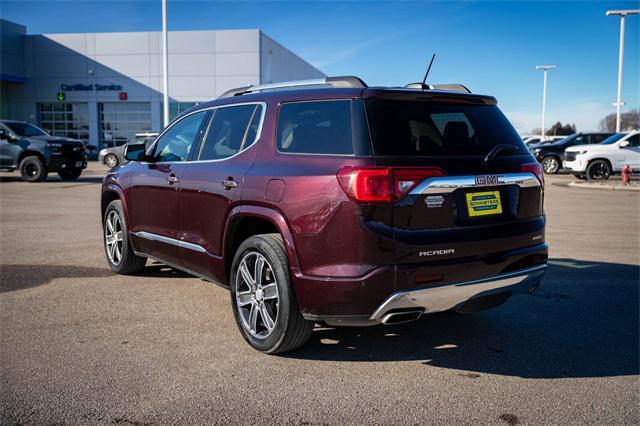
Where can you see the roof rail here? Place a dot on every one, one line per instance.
(448, 87)
(338, 82)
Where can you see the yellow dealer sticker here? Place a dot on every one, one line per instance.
(484, 203)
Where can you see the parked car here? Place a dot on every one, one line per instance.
(531, 140)
(551, 155)
(113, 156)
(598, 162)
(35, 153)
(331, 201)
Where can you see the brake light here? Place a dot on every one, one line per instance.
(536, 169)
(382, 184)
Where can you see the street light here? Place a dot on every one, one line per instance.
(165, 66)
(622, 14)
(544, 68)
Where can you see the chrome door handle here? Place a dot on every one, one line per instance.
(228, 184)
(172, 179)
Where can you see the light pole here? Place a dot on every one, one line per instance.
(622, 14)
(165, 66)
(545, 69)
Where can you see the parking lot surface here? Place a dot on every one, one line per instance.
(81, 345)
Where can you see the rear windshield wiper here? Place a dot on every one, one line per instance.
(498, 149)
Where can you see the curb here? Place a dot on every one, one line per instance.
(599, 186)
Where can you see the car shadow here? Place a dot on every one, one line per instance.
(582, 322)
(160, 270)
(18, 277)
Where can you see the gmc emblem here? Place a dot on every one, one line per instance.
(487, 180)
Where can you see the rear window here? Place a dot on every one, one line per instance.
(315, 127)
(416, 128)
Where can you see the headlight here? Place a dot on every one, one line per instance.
(536, 151)
(54, 145)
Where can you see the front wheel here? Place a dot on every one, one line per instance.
(598, 170)
(264, 305)
(70, 174)
(120, 255)
(32, 169)
(551, 165)
(110, 161)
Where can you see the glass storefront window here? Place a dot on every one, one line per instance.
(69, 120)
(120, 121)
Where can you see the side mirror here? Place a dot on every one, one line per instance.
(5, 135)
(135, 152)
(624, 144)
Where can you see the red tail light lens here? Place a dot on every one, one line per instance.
(534, 168)
(382, 184)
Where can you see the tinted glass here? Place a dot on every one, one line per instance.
(229, 131)
(322, 127)
(612, 139)
(417, 128)
(176, 143)
(634, 140)
(25, 129)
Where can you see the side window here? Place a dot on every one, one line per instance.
(176, 143)
(634, 140)
(231, 130)
(320, 127)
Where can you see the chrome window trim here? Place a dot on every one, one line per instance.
(448, 184)
(258, 133)
(171, 241)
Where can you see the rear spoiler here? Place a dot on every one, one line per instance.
(435, 95)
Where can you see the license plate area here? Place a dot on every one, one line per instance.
(483, 203)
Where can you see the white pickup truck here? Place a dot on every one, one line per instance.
(599, 161)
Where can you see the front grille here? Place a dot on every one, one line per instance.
(570, 156)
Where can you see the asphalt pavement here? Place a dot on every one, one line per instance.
(80, 345)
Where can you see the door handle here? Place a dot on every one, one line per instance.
(229, 183)
(172, 179)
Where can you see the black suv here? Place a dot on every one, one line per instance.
(35, 153)
(551, 155)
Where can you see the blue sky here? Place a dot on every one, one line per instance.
(490, 46)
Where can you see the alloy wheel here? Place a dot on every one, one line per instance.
(31, 169)
(550, 165)
(257, 296)
(111, 161)
(599, 171)
(113, 237)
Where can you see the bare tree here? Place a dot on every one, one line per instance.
(628, 121)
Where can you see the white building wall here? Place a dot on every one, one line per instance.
(202, 65)
(279, 64)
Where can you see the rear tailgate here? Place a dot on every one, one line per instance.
(478, 207)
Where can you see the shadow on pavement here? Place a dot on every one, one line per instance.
(582, 322)
(18, 277)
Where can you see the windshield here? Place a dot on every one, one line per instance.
(612, 139)
(25, 129)
(419, 128)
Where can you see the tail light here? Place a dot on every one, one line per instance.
(536, 169)
(382, 184)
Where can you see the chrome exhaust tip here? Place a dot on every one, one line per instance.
(393, 318)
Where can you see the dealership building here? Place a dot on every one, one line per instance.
(104, 88)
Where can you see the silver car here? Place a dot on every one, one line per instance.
(113, 156)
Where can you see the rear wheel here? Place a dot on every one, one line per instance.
(551, 165)
(598, 170)
(110, 161)
(32, 169)
(579, 176)
(264, 305)
(70, 174)
(120, 255)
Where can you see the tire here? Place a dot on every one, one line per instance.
(551, 165)
(289, 330)
(32, 169)
(580, 176)
(598, 170)
(121, 259)
(70, 174)
(110, 161)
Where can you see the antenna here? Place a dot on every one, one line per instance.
(424, 80)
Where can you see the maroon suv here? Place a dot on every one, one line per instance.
(330, 201)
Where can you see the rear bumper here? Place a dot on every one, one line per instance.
(439, 285)
(447, 297)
